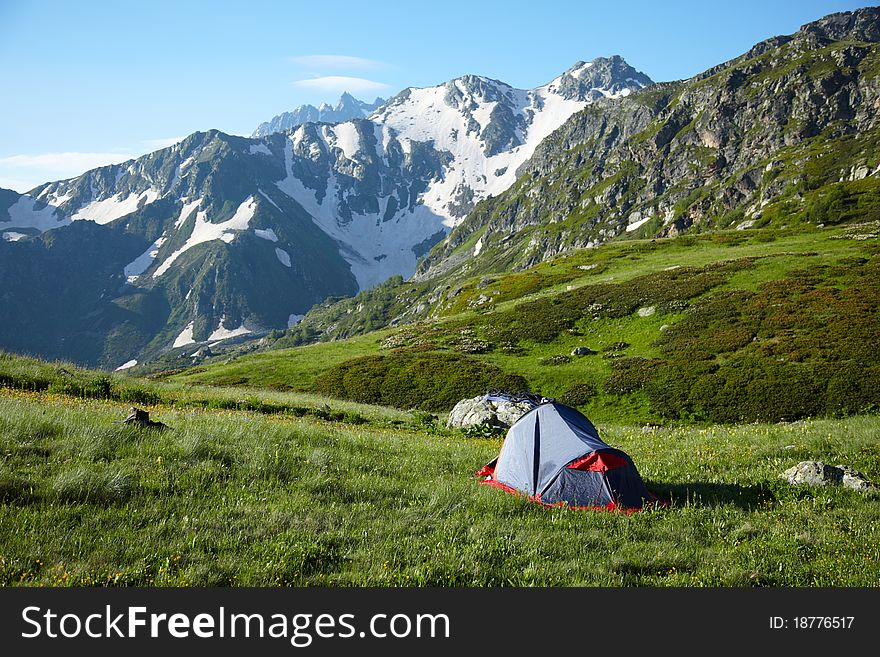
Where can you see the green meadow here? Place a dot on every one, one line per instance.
(241, 498)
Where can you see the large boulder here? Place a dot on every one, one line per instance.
(480, 411)
(816, 473)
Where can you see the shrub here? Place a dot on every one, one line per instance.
(579, 395)
(630, 375)
(616, 346)
(138, 395)
(425, 381)
(559, 359)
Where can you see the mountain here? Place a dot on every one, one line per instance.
(220, 237)
(745, 144)
(785, 135)
(347, 108)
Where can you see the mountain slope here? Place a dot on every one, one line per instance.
(347, 108)
(747, 143)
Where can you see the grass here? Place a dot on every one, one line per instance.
(239, 498)
(33, 375)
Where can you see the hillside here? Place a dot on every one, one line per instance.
(711, 327)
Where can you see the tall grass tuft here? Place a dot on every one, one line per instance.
(84, 484)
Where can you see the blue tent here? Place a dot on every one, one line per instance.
(554, 455)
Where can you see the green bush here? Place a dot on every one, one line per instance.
(800, 346)
(630, 374)
(579, 395)
(558, 359)
(425, 381)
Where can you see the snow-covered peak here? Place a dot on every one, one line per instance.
(491, 128)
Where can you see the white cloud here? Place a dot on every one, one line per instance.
(337, 62)
(24, 172)
(72, 160)
(20, 185)
(341, 83)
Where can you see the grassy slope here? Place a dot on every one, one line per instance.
(26, 374)
(243, 499)
(775, 255)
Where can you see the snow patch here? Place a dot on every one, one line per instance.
(12, 236)
(478, 246)
(344, 136)
(24, 214)
(265, 196)
(185, 211)
(205, 231)
(109, 209)
(185, 337)
(426, 116)
(283, 256)
(224, 333)
(266, 234)
(365, 237)
(140, 264)
(294, 319)
(635, 225)
(126, 365)
(259, 148)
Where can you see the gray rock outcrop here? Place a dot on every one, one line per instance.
(480, 411)
(816, 473)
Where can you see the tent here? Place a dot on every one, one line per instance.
(554, 455)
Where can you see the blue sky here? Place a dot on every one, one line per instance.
(87, 83)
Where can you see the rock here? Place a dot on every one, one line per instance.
(812, 473)
(859, 173)
(582, 351)
(854, 479)
(646, 311)
(141, 418)
(816, 473)
(481, 412)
